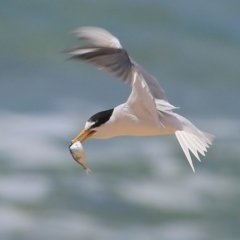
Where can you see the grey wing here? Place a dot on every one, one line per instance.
(113, 60)
(106, 53)
(152, 83)
(119, 64)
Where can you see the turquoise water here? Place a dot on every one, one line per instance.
(140, 188)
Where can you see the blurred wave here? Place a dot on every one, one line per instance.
(140, 188)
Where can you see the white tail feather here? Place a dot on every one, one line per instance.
(194, 142)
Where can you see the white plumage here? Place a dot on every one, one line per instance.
(147, 111)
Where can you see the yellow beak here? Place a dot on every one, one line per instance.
(83, 135)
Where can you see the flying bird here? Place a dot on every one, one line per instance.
(147, 111)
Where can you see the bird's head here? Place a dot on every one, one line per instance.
(94, 126)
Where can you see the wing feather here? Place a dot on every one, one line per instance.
(97, 37)
(106, 52)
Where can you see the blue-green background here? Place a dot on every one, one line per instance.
(140, 188)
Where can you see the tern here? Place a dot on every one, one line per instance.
(146, 112)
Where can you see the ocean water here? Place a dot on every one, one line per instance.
(139, 188)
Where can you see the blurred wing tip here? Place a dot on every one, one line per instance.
(78, 32)
(97, 36)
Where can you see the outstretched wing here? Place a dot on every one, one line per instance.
(113, 60)
(106, 52)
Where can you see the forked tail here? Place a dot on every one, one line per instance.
(191, 138)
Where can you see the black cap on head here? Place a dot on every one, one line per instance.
(100, 118)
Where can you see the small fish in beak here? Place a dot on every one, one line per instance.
(78, 154)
